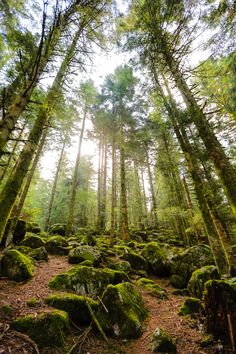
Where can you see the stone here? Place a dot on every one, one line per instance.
(57, 245)
(45, 329)
(74, 305)
(16, 266)
(122, 311)
(191, 306)
(162, 342)
(199, 278)
(85, 253)
(136, 261)
(158, 258)
(150, 286)
(32, 240)
(58, 229)
(87, 280)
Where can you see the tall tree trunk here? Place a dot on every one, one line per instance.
(124, 232)
(104, 187)
(99, 191)
(113, 192)
(11, 189)
(154, 203)
(138, 199)
(54, 187)
(224, 169)
(75, 180)
(144, 193)
(45, 52)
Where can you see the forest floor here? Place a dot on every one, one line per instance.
(187, 332)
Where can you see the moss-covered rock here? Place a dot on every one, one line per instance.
(121, 265)
(57, 245)
(58, 229)
(45, 329)
(220, 309)
(16, 266)
(181, 292)
(125, 311)
(186, 262)
(199, 278)
(33, 227)
(161, 342)
(158, 258)
(20, 230)
(39, 254)
(150, 286)
(32, 240)
(85, 253)
(87, 280)
(191, 306)
(74, 305)
(136, 261)
(33, 302)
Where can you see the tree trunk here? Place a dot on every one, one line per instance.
(70, 220)
(138, 199)
(154, 203)
(104, 187)
(11, 189)
(99, 191)
(54, 187)
(113, 192)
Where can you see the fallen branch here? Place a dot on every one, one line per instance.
(27, 339)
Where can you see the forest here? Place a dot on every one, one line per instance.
(117, 176)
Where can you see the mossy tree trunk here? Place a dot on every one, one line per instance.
(54, 187)
(13, 186)
(153, 196)
(74, 186)
(113, 191)
(104, 187)
(138, 194)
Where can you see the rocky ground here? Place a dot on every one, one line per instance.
(188, 333)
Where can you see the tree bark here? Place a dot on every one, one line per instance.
(154, 203)
(113, 192)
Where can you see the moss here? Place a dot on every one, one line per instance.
(33, 227)
(158, 258)
(33, 302)
(39, 254)
(136, 261)
(177, 281)
(151, 287)
(125, 311)
(191, 306)
(74, 305)
(120, 265)
(32, 240)
(87, 280)
(181, 292)
(7, 309)
(87, 263)
(89, 240)
(16, 266)
(83, 253)
(199, 278)
(57, 245)
(45, 329)
(161, 342)
(58, 229)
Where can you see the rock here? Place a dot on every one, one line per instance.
(161, 342)
(180, 292)
(158, 258)
(136, 261)
(33, 227)
(125, 311)
(87, 280)
(186, 262)
(33, 302)
(32, 240)
(89, 240)
(151, 287)
(199, 278)
(19, 232)
(190, 306)
(58, 229)
(45, 329)
(16, 266)
(74, 305)
(57, 245)
(220, 309)
(85, 253)
(39, 254)
(119, 264)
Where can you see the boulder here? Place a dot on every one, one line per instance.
(136, 261)
(220, 310)
(162, 342)
(16, 266)
(158, 258)
(32, 240)
(45, 329)
(122, 312)
(33, 227)
(57, 245)
(89, 240)
(58, 229)
(199, 278)
(119, 264)
(150, 286)
(191, 306)
(186, 262)
(85, 253)
(87, 280)
(74, 305)
(39, 254)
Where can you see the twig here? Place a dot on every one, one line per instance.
(27, 339)
(95, 320)
(80, 341)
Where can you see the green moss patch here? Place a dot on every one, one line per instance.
(16, 266)
(33, 302)
(87, 280)
(45, 329)
(191, 305)
(199, 278)
(57, 245)
(84, 253)
(58, 229)
(162, 342)
(136, 261)
(124, 310)
(32, 240)
(158, 258)
(150, 286)
(74, 305)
